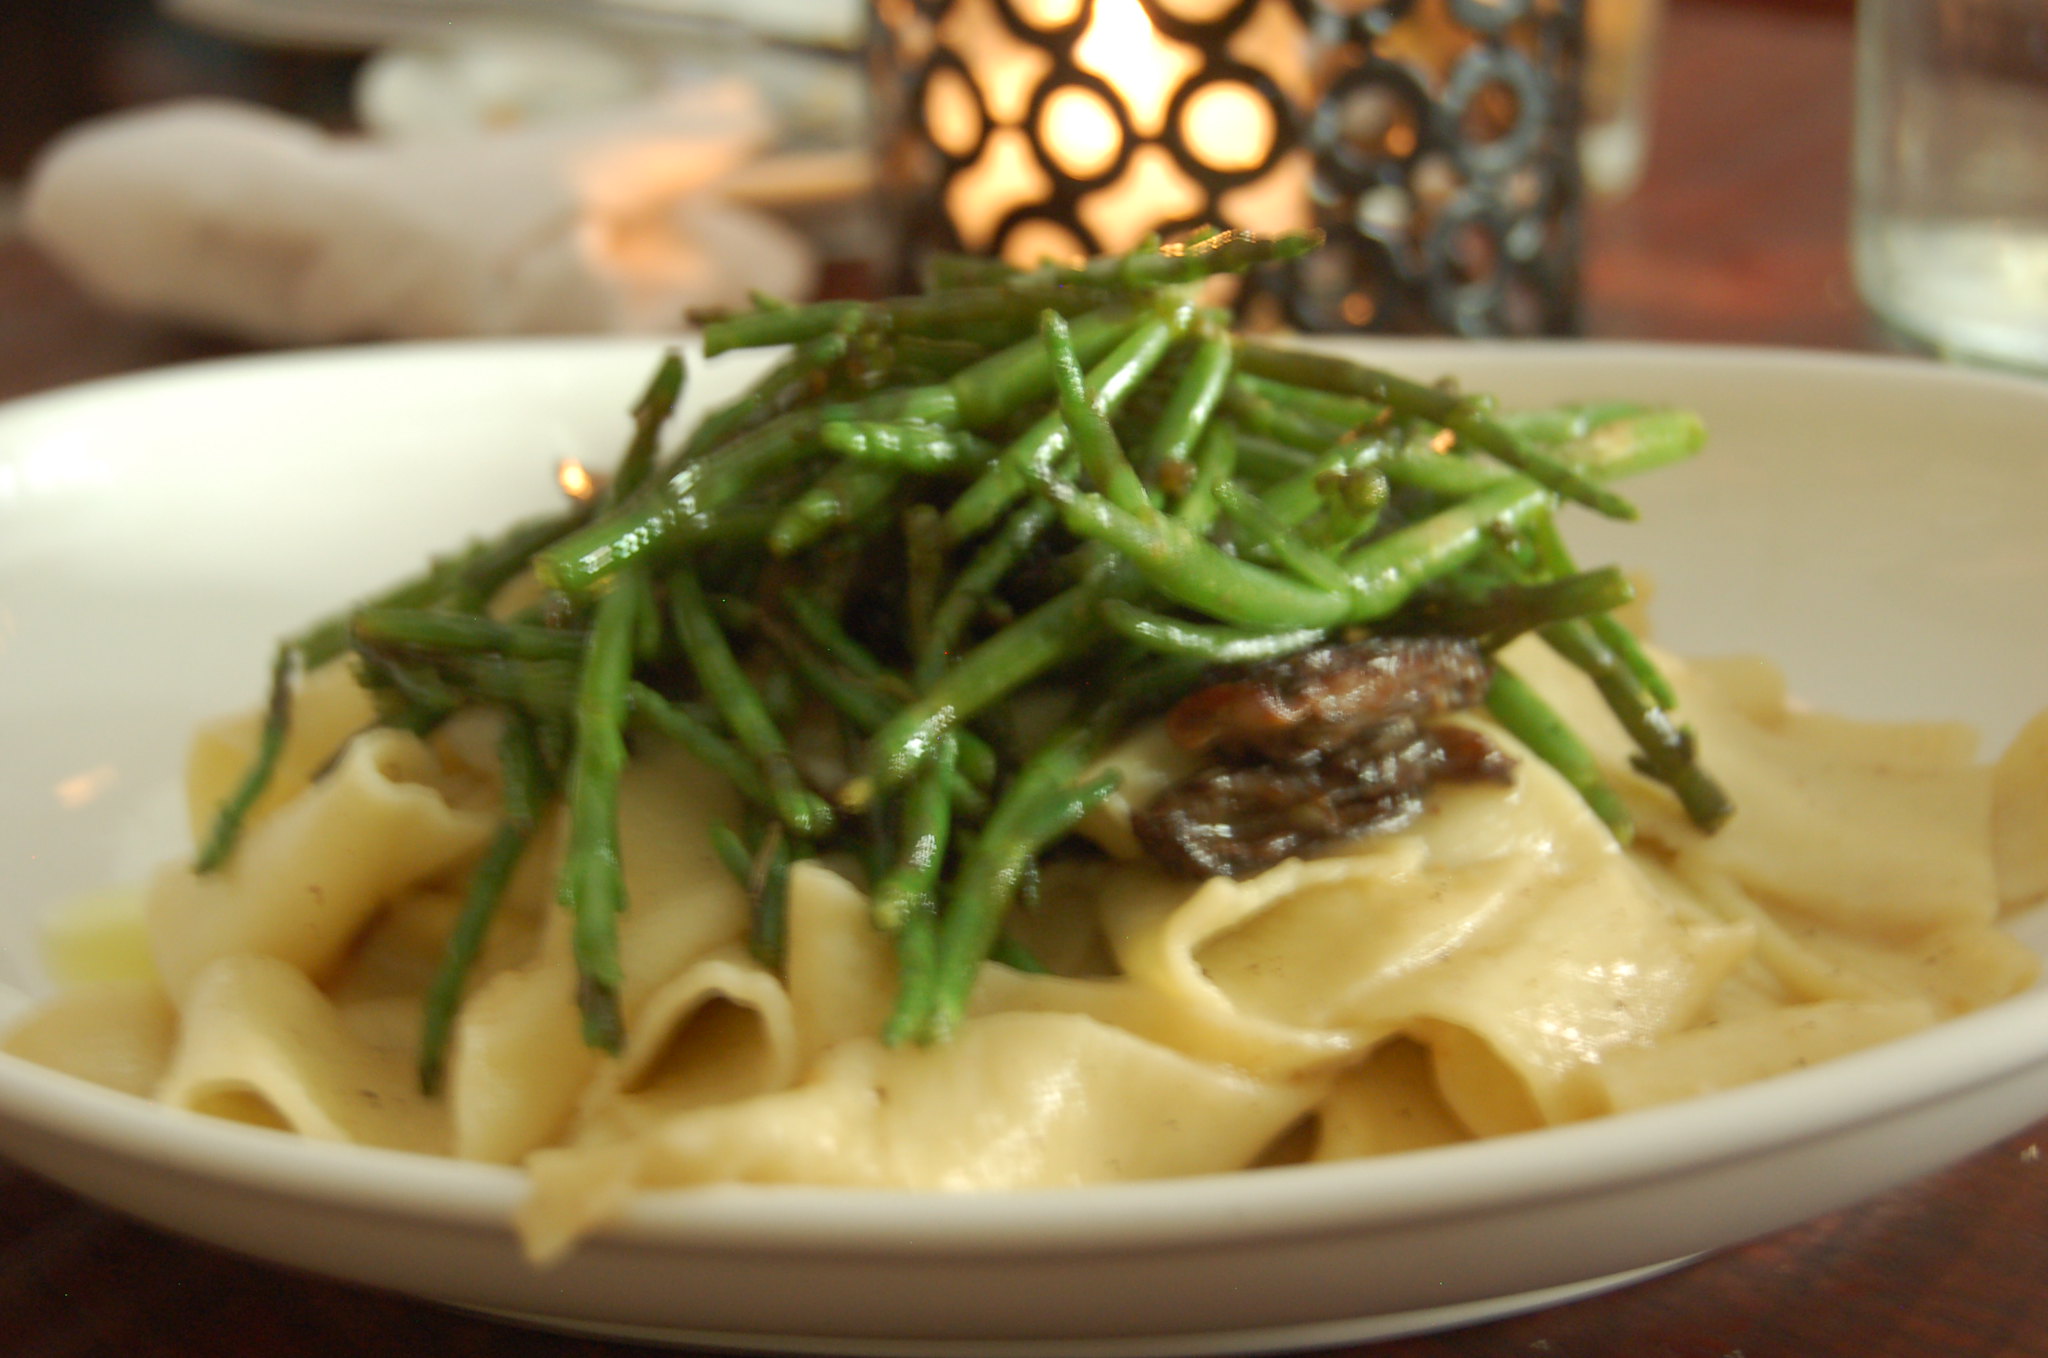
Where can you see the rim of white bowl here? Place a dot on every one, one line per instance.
(1472, 1177)
(1953, 1057)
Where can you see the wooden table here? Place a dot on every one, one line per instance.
(1735, 235)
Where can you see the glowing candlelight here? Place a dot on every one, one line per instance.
(1428, 142)
(1029, 131)
(1144, 68)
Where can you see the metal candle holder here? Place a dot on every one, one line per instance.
(1433, 141)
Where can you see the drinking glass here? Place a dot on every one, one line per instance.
(1951, 174)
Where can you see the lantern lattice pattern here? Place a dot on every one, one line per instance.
(1434, 141)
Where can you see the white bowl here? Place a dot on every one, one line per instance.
(1873, 524)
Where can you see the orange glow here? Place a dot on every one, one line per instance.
(1145, 69)
(1274, 40)
(1005, 67)
(1081, 132)
(951, 113)
(1037, 241)
(1048, 14)
(1230, 127)
(575, 479)
(82, 789)
(1007, 176)
(1278, 200)
(1152, 189)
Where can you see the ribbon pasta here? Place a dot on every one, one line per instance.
(1502, 966)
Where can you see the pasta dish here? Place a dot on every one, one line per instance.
(1037, 736)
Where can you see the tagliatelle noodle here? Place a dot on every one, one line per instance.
(259, 1042)
(518, 1064)
(2019, 845)
(1502, 965)
(301, 889)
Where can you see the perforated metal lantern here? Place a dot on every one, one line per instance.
(1434, 141)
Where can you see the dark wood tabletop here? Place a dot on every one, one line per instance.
(1736, 234)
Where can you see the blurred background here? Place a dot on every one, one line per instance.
(69, 60)
(1722, 194)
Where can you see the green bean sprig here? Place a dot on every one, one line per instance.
(966, 540)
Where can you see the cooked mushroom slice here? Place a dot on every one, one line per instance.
(1325, 698)
(1238, 820)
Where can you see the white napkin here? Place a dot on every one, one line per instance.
(235, 218)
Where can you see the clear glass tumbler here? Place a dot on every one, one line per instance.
(1951, 174)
